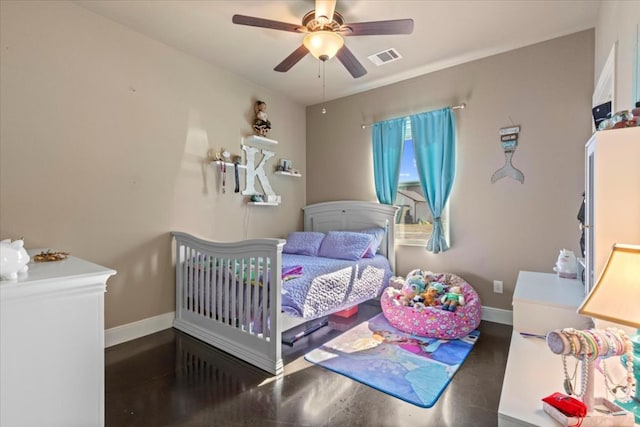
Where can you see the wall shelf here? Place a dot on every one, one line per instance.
(229, 164)
(264, 204)
(287, 173)
(257, 139)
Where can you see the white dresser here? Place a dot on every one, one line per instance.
(52, 345)
(541, 302)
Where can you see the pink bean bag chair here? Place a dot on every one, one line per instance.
(434, 322)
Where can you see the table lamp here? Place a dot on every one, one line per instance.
(616, 298)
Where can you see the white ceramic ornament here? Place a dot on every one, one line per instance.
(13, 259)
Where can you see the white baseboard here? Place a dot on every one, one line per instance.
(497, 315)
(131, 331)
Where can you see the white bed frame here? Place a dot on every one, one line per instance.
(221, 315)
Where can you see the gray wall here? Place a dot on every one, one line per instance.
(497, 229)
(104, 136)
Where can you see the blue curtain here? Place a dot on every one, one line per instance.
(433, 136)
(388, 139)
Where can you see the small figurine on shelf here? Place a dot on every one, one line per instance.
(621, 119)
(261, 124)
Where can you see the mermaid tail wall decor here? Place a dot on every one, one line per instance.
(509, 138)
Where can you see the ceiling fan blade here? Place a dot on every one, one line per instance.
(292, 59)
(350, 62)
(397, 26)
(325, 8)
(266, 23)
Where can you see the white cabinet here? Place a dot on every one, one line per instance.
(541, 302)
(612, 196)
(52, 345)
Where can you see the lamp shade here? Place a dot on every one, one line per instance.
(323, 44)
(616, 295)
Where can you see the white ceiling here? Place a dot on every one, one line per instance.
(446, 33)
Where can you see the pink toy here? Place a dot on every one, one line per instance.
(434, 322)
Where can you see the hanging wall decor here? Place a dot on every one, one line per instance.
(509, 140)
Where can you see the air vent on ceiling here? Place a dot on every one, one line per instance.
(385, 56)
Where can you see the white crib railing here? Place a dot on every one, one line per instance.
(229, 295)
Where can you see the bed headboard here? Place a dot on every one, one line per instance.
(354, 215)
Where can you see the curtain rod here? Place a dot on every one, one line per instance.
(455, 107)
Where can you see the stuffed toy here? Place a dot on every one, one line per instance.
(396, 282)
(440, 287)
(402, 292)
(430, 296)
(411, 288)
(413, 291)
(394, 294)
(452, 299)
(415, 273)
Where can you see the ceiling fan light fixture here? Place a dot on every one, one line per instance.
(323, 45)
(324, 10)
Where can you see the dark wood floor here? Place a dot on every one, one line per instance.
(171, 379)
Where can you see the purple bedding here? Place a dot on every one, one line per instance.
(328, 285)
(313, 287)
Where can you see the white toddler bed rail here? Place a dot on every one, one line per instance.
(214, 303)
(223, 288)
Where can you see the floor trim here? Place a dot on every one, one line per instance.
(497, 315)
(131, 331)
(150, 325)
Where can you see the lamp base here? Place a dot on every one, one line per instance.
(633, 407)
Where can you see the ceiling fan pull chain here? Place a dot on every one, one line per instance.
(324, 73)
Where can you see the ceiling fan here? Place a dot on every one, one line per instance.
(324, 35)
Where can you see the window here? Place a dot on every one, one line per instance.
(413, 220)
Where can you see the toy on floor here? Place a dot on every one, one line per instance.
(419, 289)
(407, 292)
(432, 291)
(452, 299)
(431, 295)
(432, 321)
(411, 289)
(416, 273)
(396, 282)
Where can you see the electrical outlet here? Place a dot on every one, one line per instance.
(497, 286)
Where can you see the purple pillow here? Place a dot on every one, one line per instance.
(345, 245)
(303, 243)
(378, 235)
